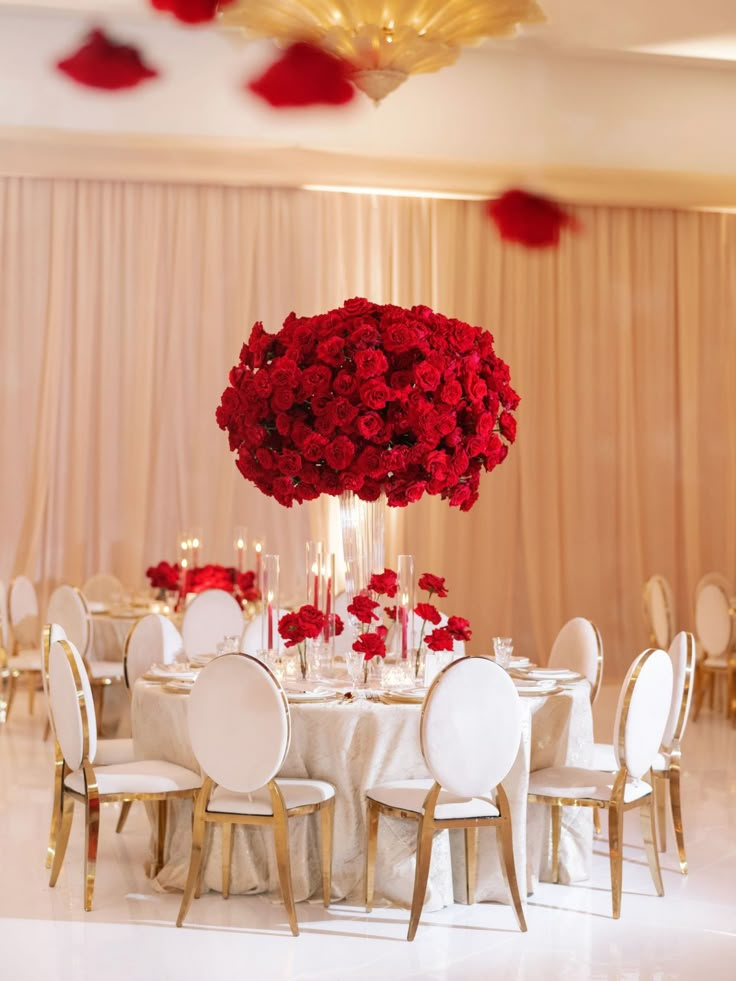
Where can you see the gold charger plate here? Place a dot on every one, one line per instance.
(402, 698)
(306, 698)
(539, 692)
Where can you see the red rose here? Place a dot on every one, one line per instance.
(311, 620)
(459, 628)
(384, 583)
(291, 629)
(337, 624)
(427, 376)
(313, 447)
(358, 305)
(331, 351)
(284, 372)
(344, 383)
(316, 379)
(282, 399)
(451, 392)
(164, 576)
(362, 608)
(369, 363)
(369, 425)
(339, 453)
(433, 584)
(370, 645)
(375, 394)
(507, 425)
(425, 611)
(439, 640)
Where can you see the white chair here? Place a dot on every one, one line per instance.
(26, 659)
(667, 764)
(153, 640)
(108, 750)
(578, 646)
(239, 728)
(251, 642)
(68, 607)
(211, 615)
(470, 730)
(103, 588)
(641, 715)
(90, 784)
(714, 629)
(659, 611)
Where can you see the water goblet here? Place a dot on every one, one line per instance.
(503, 648)
(355, 662)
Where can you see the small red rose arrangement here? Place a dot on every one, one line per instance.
(306, 623)
(172, 578)
(369, 398)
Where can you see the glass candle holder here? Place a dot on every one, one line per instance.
(314, 573)
(240, 544)
(270, 639)
(404, 632)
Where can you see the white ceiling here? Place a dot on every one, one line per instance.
(705, 29)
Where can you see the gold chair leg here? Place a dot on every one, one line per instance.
(10, 695)
(425, 833)
(597, 820)
(91, 838)
(47, 729)
(283, 864)
(123, 816)
(227, 858)
(711, 690)
(471, 863)
(31, 691)
(370, 854)
(556, 816)
(55, 807)
(699, 693)
(195, 860)
(649, 834)
(161, 825)
(505, 846)
(327, 823)
(676, 806)
(62, 837)
(615, 856)
(101, 708)
(659, 803)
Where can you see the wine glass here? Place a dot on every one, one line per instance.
(355, 661)
(503, 648)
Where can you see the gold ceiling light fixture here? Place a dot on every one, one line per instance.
(384, 40)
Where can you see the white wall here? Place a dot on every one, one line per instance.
(501, 108)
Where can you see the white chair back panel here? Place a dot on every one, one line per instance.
(153, 640)
(210, 616)
(4, 622)
(713, 623)
(56, 633)
(471, 726)
(67, 713)
(251, 642)
(23, 612)
(682, 655)
(576, 647)
(103, 588)
(643, 708)
(238, 722)
(68, 608)
(660, 610)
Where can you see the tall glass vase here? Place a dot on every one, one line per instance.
(363, 524)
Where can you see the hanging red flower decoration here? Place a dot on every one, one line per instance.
(529, 219)
(369, 398)
(304, 75)
(101, 63)
(190, 11)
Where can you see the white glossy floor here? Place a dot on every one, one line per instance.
(44, 934)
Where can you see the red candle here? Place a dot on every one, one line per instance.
(269, 614)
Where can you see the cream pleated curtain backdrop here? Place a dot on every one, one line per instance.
(123, 306)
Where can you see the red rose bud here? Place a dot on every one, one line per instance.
(370, 645)
(384, 583)
(101, 63)
(433, 584)
(425, 611)
(362, 608)
(529, 219)
(304, 75)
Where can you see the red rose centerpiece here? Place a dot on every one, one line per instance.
(306, 623)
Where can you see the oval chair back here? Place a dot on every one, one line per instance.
(642, 711)
(682, 655)
(103, 587)
(153, 640)
(68, 609)
(23, 612)
(239, 723)
(211, 615)
(714, 618)
(578, 646)
(659, 610)
(52, 633)
(71, 704)
(252, 641)
(471, 726)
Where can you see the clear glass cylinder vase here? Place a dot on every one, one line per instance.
(363, 540)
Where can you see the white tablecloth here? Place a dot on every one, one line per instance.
(357, 745)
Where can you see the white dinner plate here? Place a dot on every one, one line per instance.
(179, 687)
(200, 660)
(312, 696)
(555, 674)
(95, 606)
(413, 696)
(170, 672)
(541, 685)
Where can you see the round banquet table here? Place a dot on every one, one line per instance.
(355, 745)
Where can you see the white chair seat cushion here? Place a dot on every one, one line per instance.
(105, 669)
(141, 777)
(296, 793)
(409, 795)
(114, 751)
(581, 784)
(604, 759)
(720, 662)
(27, 660)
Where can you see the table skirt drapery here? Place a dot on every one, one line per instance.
(355, 745)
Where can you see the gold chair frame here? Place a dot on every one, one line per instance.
(596, 686)
(616, 809)
(668, 604)
(92, 799)
(707, 675)
(32, 676)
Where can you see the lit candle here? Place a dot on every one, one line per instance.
(258, 549)
(269, 624)
(240, 537)
(328, 575)
(405, 607)
(195, 544)
(314, 565)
